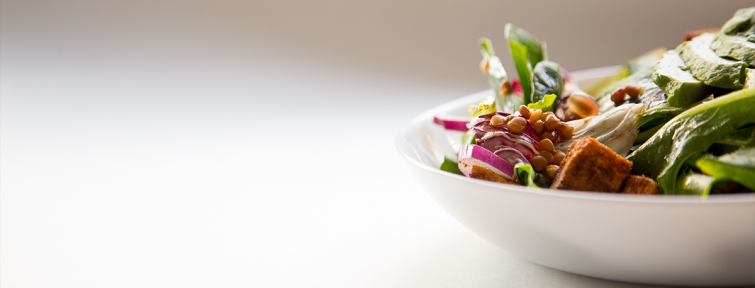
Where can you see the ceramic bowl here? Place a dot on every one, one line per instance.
(669, 240)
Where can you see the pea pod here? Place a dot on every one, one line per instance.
(691, 133)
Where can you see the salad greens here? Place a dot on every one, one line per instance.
(527, 52)
(686, 117)
(690, 133)
(548, 80)
(544, 104)
(528, 177)
(497, 78)
(450, 164)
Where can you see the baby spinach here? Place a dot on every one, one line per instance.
(690, 133)
(526, 52)
(547, 80)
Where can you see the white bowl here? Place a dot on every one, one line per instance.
(671, 240)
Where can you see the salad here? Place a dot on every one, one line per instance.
(678, 121)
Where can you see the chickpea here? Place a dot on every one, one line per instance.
(558, 157)
(582, 105)
(633, 91)
(551, 122)
(539, 126)
(517, 125)
(544, 116)
(565, 131)
(568, 132)
(484, 65)
(498, 121)
(550, 135)
(535, 115)
(551, 171)
(546, 145)
(547, 155)
(524, 111)
(618, 95)
(539, 163)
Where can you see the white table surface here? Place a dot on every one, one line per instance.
(133, 159)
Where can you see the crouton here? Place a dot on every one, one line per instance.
(639, 185)
(591, 166)
(479, 172)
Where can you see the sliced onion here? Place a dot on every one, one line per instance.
(473, 155)
(497, 138)
(452, 122)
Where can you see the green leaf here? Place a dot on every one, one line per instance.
(695, 184)
(547, 79)
(690, 133)
(527, 52)
(651, 118)
(487, 106)
(507, 101)
(451, 164)
(523, 68)
(544, 104)
(468, 138)
(738, 166)
(535, 48)
(525, 174)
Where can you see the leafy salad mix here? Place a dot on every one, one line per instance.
(678, 121)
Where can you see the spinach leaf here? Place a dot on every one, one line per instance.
(527, 52)
(691, 132)
(451, 164)
(524, 68)
(547, 80)
(657, 116)
(738, 166)
(695, 184)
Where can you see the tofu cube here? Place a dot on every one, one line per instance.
(591, 166)
(639, 185)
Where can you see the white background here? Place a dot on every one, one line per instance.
(250, 144)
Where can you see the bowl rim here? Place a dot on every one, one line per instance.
(570, 194)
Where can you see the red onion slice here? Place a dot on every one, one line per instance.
(473, 155)
(452, 122)
(496, 138)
